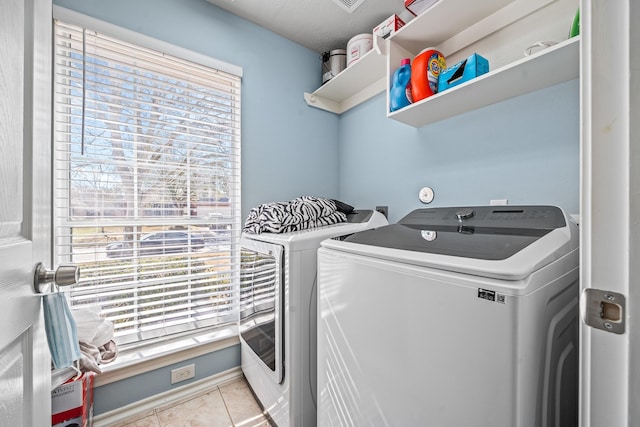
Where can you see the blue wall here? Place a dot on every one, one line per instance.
(121, 393)
(525, 149)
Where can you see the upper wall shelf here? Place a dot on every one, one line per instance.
(444, 20)
(354, 85)
(546, 68)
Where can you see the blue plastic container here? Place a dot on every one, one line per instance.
(472, 67)
(401, 86)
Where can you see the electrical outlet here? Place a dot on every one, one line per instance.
(384, 210)
(184, 373)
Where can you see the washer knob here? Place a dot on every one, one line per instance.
(464, 214)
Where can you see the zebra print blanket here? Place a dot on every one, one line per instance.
(298, 214)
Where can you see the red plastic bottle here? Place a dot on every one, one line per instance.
(425, 70)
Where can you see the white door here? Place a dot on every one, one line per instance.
(610, 210)
(25, 232)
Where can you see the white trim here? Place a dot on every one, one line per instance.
(177, 394)
(72, 17)
(138, 362)
(609, 207)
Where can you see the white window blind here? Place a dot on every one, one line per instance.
(147, 184)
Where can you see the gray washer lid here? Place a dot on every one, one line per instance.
(480, 232)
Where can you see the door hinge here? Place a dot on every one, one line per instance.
(603, 310)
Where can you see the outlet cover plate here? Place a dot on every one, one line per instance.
(183, 373)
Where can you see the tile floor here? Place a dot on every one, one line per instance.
(229, 405)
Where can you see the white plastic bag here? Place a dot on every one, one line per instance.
(92, 327)
(95, 335)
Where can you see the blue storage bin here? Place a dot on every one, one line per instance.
(470, 68)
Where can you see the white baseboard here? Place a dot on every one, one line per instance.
(147, 405)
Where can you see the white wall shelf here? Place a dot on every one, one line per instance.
(554, 65)
(361, 81)
(444, 20)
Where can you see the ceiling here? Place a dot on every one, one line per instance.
(319, 25)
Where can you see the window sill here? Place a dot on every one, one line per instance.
(139, 360)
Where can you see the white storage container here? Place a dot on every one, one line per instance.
(358, 46)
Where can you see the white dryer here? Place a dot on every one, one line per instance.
(454, 317)
(278, 316)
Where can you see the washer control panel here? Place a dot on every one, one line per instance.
(481, 232)
(465, 213)
(533, 217)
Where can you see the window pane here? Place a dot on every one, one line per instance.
(147, 178)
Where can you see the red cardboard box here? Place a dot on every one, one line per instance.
(72, 402)
(418, 6)
(388, 26)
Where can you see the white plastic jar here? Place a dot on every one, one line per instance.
(358, 46)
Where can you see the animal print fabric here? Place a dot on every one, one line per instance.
(298, 214)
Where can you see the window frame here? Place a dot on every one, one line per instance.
(185, 339)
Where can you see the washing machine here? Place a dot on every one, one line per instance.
(453, 317)
(278, 316)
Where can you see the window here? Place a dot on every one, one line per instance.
(146, 185)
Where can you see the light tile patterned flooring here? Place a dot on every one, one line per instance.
(230, 404)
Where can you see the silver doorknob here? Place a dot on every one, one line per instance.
(65, 275)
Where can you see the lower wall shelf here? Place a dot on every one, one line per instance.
(546, 68)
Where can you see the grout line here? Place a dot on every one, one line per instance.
(233, 423)
(156, 410)
(155, 414)
(183, 401)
